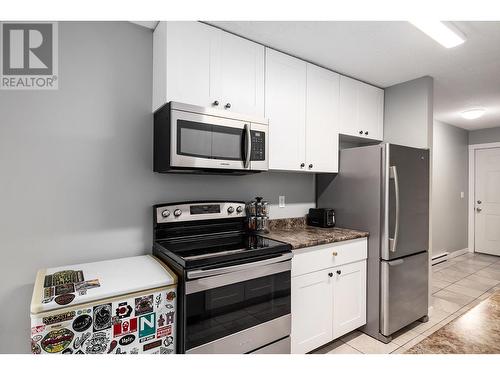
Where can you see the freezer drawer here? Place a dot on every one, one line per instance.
(404, 292)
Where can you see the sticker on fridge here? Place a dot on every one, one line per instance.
(147, 325)
(102, 317)
(125, 327)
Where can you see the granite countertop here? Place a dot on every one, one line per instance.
(297, 233)
(475, 332)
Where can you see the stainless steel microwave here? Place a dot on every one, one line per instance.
(194, 139)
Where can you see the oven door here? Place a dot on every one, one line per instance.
(204, 141)
(238, 309)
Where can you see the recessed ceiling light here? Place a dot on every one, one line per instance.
(472, 114)
(444, 33)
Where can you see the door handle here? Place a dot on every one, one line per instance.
(196, 274)
(393, 242)
(396, 262)
(479, 209)
(248, 146)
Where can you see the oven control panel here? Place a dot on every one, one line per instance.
(190, 211)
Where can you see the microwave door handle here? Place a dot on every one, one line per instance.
(393, 242)
(248, 147)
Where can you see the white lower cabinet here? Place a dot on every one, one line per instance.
(327, 302)
(312, 311)
(349, 298)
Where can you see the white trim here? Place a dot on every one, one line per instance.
(472, 166)
(430, 310)
(446, 255)
(457, 253)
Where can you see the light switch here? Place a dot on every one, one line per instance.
(462, 195)
(282, 201)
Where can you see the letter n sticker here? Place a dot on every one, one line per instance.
(147, 325)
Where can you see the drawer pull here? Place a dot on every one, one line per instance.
(335, 253)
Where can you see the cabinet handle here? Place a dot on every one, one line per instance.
(215, 103)
(330, 274)
(302, 165)
(335, 254)
(227, 106)
(366, 133)
(361, 132)
(339, 272)
(310, 166)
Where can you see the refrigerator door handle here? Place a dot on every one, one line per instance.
(395, 262)
(393, 242)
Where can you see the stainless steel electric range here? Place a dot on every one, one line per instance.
(234, 286)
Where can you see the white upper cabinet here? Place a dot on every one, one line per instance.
(201, 65)
(183, 53)
(242, 75)
(302, 106)
(361, 109)
(285, 107)
(322, 111)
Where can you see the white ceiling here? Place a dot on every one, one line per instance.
(384, 53)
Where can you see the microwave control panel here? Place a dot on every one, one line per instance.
(258, 145)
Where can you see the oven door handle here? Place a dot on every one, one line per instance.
(240, 267)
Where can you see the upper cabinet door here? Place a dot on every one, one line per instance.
(371, 111)
(361, 109)
(285, 107)
(242, 75)
(190, 49)
(348, 107)
(322, 113)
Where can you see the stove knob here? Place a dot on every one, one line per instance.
(239, 209)
(230, 209)
(177, 212)
(165, 213)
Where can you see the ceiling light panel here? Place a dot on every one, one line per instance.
(442, 32)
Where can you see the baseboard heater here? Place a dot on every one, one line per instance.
(440, 258)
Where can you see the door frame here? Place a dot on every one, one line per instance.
(472, 180)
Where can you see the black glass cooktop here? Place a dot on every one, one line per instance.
(207, 250)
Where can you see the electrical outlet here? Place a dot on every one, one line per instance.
(282, 201)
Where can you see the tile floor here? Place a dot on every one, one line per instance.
(457, 285)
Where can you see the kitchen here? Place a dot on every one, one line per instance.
(89, 186)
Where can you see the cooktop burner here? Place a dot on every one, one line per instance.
(206, 250)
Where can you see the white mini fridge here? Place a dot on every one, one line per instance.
(120, 306)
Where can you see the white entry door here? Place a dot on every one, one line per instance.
(487, 201)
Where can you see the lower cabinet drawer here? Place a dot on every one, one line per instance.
(315, 258)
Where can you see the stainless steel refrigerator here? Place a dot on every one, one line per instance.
(384, 189)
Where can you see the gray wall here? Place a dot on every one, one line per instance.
(449, 178)
(76, 167)
(408, 113)
(484, 136)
